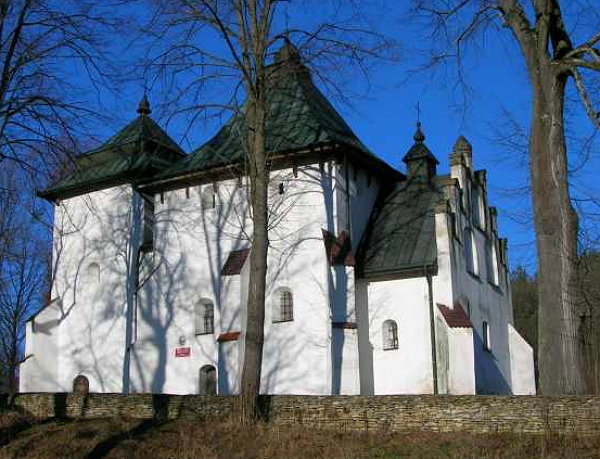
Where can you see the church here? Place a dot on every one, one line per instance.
(379, 281)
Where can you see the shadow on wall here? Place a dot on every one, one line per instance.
(489, 380)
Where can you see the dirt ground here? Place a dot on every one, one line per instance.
(117, 438)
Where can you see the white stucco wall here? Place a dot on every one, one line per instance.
(91, 263)
(408, 369)
(333, 345)
(521, 364)
(462, 362)
(191, 246)
(40, 371)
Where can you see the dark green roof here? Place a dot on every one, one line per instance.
(136, 152)
(299, 117)
(401, 233)
(419, 150)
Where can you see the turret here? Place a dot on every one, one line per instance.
(420, 162)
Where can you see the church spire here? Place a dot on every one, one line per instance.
(421, 163)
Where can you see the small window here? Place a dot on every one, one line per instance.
(390, 335)
(486, 336)
(205, 317)
(476, 207)
(283, 310)
(470, 252)
(492, 263)
(92, 274)
(209, 198)
(277, 185)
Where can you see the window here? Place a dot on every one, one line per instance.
(486, 336)
(209, 198)
(390, 335)
(92, 274)
(283, 310)
(277, 185)
(492, 263)
(207, 380)
(470, 252)
(476, 207)
(148, 224)
(205, 317)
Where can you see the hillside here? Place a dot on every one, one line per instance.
(118, 438)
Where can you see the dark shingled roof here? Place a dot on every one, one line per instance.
(455, 318)
(401, 232)
(235, 262)
(137, 151)
(299, 117)
(419, 150)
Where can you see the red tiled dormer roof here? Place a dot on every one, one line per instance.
(228, 336)
(455, 318)
(235, 262)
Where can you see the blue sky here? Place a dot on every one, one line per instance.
(383, 113)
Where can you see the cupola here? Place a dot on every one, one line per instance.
(420, 161)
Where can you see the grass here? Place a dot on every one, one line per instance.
(20, 437)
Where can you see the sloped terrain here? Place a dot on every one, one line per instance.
(118, 438)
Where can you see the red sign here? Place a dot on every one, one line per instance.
(182, 351)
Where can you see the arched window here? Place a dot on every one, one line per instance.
(283, 307)
(205, 317)
(81, 385)
(92, 274)
(207, 380)
(390, 335)
(209, 198)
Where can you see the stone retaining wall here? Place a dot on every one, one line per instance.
(526, 414)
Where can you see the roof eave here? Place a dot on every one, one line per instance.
(178, 179)
(402, 272)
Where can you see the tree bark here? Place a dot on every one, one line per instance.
(251, 372)
(556, 226)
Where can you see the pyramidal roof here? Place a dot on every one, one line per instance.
(137, 151)
(299, 117)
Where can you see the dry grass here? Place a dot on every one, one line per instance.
(110, 438)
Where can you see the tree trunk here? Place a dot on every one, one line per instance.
(251, 372)
(556, 226)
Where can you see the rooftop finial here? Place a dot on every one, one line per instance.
(419, 136)
(288, 52)
(144, 106)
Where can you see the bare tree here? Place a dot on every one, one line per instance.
(247, 31)
(552, 60)
(21, 276)
(48, 49)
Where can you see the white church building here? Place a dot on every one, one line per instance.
(379, 282)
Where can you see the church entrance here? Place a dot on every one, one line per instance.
(207, 380)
